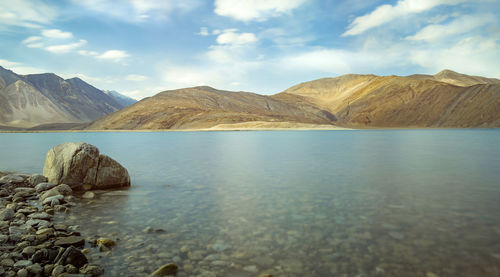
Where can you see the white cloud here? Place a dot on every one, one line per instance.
(55, 33)
(87, 53)
(20, 68)
(203, 31)
(473, 55)
(64, 48)
(135, 77)
(26, 13)
(33, 42)
(139, 10)
(113, 55)
(386, 13)
(6, 63)
(255, 9)
(32, 39)
(461, 25)
(230, 36)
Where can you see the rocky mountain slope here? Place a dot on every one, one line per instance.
(415, 101)
(30, 100)
(203, 107)
(447, 99)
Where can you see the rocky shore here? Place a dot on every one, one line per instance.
(34, 240)
(32, 243)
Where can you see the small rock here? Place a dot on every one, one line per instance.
(70, 269)
(95, 270)
(430, 274)
(49, 199)
(47, 269)
(36, 179)
(88, 195)
(165, 270)
(148, 229)
(397, 235)
(68, 241)
(58, 270)
(48, 231)
(106, 242)
(22, 273)
(35, 269)
(28, 251)
(3, 193)
(40, 216)
(4, 238)
(7, 214)
(7, 262)
(40, 255)
(64, 189)
(12, 179)
(22, 264)
(72, 256)
(43, 187)
(49, 193)
(251, 268)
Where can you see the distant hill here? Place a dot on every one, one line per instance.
(202, 107)
(447, 99)
(30, 100)
(124, 100)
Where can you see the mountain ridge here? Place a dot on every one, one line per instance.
(46, 98)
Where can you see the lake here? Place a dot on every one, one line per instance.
(291, 203)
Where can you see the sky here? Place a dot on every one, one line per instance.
(142, 47)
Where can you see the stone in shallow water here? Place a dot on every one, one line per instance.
(396, 235)
(88, 195)
(165, 270)
(95, 270)
(251, 268)
(71, 240)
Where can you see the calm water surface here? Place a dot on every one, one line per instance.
(292, 203)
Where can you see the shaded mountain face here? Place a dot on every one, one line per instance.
(204, 107)
(124, 100)
(358, 101)
(30, 100)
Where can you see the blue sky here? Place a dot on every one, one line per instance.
(142, 47)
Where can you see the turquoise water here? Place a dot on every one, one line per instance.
(292, 203)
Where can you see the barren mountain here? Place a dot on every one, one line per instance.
(416, 101)
(359, 101)
(30, 100)
(204, 107)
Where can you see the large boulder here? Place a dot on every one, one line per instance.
(77, 164)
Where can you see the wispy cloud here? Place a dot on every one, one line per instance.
(460, 25)
(65, 48)
(259, 10)
(56, 33)
(27, 13)
(387, 13)
(139, 10)
(231, 36)
(113, 55)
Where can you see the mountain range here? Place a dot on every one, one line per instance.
(30, 100)
(445, 100)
